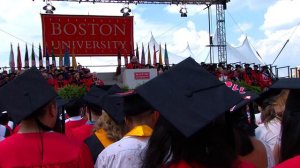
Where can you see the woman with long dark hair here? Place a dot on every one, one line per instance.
(194, 129)
(289, 149)
(213, 146)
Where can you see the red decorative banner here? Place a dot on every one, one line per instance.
(141, 75)
(88, 35)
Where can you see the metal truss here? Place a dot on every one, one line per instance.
(188, 2)
(221, 33)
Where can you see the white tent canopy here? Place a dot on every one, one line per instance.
(173, 58)
(243, 54)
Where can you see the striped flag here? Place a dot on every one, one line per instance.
(40, 56)
(19, 59)
(149, 55)
(26, 58)
(154, 55)
(118, 70)
(131, 53)
(60, 61)
(12, 59)
(137, 54)
(74, 64)
(125, 59)
(67, 58)
(53, 56)
(32, 57)
(143, 55)
(160, 56)
(119, 57)
(47, 59)
(166, 56)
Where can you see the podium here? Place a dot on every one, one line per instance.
(135, 77)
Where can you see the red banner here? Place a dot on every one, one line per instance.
(88, 35)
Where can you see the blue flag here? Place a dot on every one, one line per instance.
(67, 58)
(47, 59)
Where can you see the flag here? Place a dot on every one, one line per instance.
(67, 58)
(118, 70)
(160, 56)
(40, 56)
(131, 53)
(12, 59)
(19, 59)
(119, 57)
(47, 59)
(61, 62)
(143, 55)
(53, 56)
(149, 56)
(74, 64)
(166, 56)
(137, 53)
(26, 58)
(154, 56)
(125, 59)
(32, 57)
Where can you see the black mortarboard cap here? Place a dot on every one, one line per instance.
(2, 108)
(128, 103)
(60, 102)
(188, 96)
(267, 94)
(292, 103)
(248, 97)
(113, 106)
(25, 94)
(277, 87)
(96, 94)
(286, 83)
(105, 87)
(114, 89)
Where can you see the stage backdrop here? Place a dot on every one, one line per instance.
(87, 35)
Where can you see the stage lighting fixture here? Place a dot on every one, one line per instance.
(183, 12)
(126, 11)
(49, 8)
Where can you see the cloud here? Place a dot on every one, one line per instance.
(281, 23)
(188, 34)
(252, 5)
(2, 20)
(283, 14)
(243, 27)
(274, 42)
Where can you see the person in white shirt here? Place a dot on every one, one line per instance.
(140, 118)
(271, 116)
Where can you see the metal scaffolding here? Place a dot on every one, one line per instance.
(221, 33)
(188, 2)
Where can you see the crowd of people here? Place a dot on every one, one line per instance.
(60, 77)
(259, 76)
(194, 120)
(256, 75)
